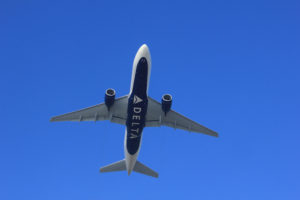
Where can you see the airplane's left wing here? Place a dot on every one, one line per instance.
(116, 114)
(156, 117)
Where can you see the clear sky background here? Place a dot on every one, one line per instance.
(232, 66)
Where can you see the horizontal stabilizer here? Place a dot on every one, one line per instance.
(117, 166)
(143, 169)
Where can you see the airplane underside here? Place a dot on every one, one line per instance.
(135, 111)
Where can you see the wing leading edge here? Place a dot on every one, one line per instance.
(116, 114)
(155, 118)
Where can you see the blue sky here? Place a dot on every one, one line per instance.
(232, 66)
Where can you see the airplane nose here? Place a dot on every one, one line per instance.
(143, 52)
(144, 49)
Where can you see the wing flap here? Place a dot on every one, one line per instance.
(94, 113)
(155, 117)
(99, 112)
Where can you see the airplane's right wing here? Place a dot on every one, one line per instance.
(155, 117)
(116, 114)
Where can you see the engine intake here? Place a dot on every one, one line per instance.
(110, 95)
(166, 103)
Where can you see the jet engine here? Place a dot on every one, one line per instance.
(110, 97)
(166, 103)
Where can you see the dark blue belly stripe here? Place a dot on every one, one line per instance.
(137, 107)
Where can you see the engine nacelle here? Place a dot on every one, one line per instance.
(166, 103)
(110, 95)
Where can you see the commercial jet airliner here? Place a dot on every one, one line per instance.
(136, 111)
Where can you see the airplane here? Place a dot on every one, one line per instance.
(136, 111)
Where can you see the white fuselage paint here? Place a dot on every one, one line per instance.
(142, 52)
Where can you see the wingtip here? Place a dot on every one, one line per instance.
(215, 134)
(52, 119)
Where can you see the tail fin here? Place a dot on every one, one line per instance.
(143, 169)
(117, 166)
(121, 166)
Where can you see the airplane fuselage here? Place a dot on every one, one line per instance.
(137, 106)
